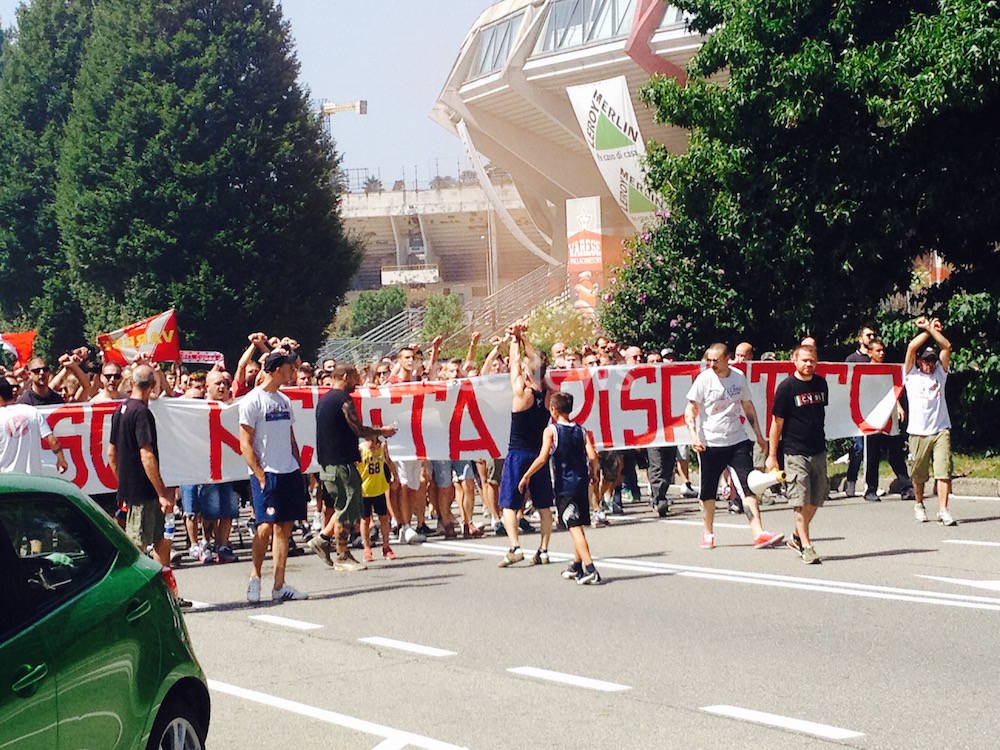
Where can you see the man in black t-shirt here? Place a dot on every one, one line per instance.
(866, 338)
(338, 428)
(797, 421)
(38, 392)
(135, 460)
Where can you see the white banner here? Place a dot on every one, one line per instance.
(201, 357)
(607, 119)
(623, 407)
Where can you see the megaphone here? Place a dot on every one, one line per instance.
(761, 480)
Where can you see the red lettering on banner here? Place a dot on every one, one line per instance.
(771, 370)
(98, 414)
(217, 437)
(647, 405)
(604, 409)
(672, 421)
(860, 370)
(305, 458)
(483, 441)
(73, 444)
(558, 377)
(417, 391)
(305, 396)
(837, 369)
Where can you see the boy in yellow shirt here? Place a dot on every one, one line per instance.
(374, 486)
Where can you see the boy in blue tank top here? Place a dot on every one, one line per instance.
(574, 464)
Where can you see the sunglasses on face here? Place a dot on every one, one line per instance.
(39, 370)
(112, 375)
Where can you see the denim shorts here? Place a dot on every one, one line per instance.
(212, 501)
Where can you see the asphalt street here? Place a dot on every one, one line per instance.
(889, 643)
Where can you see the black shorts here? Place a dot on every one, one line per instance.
(283, 498)
(574, 510)
(714, 460)
(376, 505)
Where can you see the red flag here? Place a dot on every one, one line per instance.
(156, 336)
(21, 345)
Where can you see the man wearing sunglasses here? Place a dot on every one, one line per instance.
(38, 392)
(866, 339)
(111, 380)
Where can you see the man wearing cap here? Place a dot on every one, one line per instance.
(267, 442)
(929, 426)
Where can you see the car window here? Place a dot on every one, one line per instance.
(58, 551)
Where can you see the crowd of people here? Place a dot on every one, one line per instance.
(551, 474)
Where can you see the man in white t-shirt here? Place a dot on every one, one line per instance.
(22, 429)
(718, 407)
(929, 425)
(268, 445)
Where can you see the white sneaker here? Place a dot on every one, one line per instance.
(920, 513)
(286, 593)
(944, 518)
(253, 590)
(850, 489)
(410, 536)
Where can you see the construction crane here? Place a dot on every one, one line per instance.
(328, 108)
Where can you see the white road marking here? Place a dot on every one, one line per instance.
(716, 525)
(826, 586)
(396, 738)
(413, 648)
(286, 622)
(784, 722)
(988, 585)
(569, 679)
(972, 542)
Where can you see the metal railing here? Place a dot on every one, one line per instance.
(491, 315)
(546, 285)
(385, 338)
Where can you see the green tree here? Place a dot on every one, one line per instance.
(40, 66)
(443, 316)
(846, 140)
(371, 309)
(194, 175)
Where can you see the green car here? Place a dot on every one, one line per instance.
(94, 652)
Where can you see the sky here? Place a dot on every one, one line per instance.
(394, 53)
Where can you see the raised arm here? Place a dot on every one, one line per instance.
(934, 329)
(915, 343)
(435, 352)
(470, 357)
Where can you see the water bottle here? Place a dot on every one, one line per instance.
(55, 540)
(25, 547)
(169, 524)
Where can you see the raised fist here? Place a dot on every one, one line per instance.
(922, 323)
(65, 360)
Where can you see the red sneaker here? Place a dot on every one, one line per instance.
(368, 555)
(767, 539)
(387, 553)
(708, 541)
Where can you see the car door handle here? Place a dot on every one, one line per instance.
(137, 610)
(25, 686)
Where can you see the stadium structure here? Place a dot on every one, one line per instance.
(509, 98)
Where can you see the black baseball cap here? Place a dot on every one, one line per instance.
(928, 353)
(277, 358)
